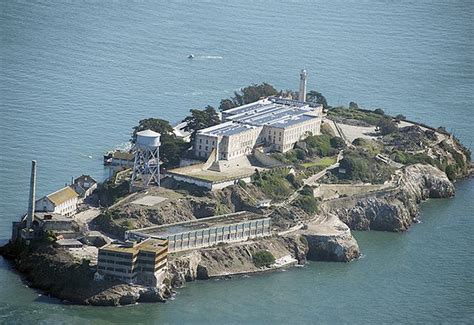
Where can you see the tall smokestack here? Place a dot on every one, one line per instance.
(31, 203)
(302, 92)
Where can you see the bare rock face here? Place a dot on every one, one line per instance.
(341, 248)
(395, 209)
(183, 268)
(331, 241)
(222, 260)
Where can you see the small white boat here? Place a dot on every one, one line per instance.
(191, 56)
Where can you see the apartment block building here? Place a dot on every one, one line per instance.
(142, 263)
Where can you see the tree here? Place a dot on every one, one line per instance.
(155, 124)
(316, 97)
(379, 111)
(172, 148)
(386, 126)
(353, 105)
(263, 258)
(337, 142)
(201, 119)
(226, 104)
(248, 95)
(400, 117)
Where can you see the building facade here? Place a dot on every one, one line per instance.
(84, 185)
(207, 232)
(142, 263)
(272, 122)
(63, 202)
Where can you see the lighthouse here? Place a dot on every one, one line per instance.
(302, 92)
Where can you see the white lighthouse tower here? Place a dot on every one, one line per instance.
(147, 158)
(302, 92)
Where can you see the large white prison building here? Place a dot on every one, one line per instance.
(277, 123)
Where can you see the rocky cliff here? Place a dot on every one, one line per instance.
(56, 272)
(393, 209)
(236, 258)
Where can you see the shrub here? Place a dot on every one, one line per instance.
(379, 111)
(451, 172)
(387, 126)
(360, 165)
(242, 184)
(353, 105)
(319, 145)
(273, 183)
(294, 181)
(337, 142)
(308, 203)
(263, 258)
(400, 117)
(327, 130)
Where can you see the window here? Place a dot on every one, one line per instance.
(200, 140)
(207, 148)
(200, 147)
(207, 141)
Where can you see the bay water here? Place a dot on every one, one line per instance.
(76, 76)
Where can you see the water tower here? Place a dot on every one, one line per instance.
(147, 158)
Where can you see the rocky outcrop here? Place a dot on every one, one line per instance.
(330, 240)
(55, 272)
(393, 209)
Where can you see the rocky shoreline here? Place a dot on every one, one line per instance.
(53, 271)
(298, 236)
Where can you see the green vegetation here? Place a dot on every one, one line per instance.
(263, 258)
(368, 145)
(360, 165)
(327, 130)
(273, 183)
(248, 95)
(49, 237)
(106, 222)
(323, 163)
(320, 145)
(110, 192)
(201, 119)
(355, 114)
(306, 200)
(386, 126)
(410, 159)
(353, 105)
(242, 184)
(172, 148)
(294, 181)
(315, 97)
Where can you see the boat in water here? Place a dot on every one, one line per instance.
(191, 56)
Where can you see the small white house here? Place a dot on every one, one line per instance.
(84, 186)
(63, 202)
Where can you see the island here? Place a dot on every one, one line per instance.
(269, 180)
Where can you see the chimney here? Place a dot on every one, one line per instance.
(31, 203)
(302, 91)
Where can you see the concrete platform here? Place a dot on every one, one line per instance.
(149, 200)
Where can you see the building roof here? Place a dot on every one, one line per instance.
(83, 179)
(272, 111)
(63, 195)
(68, 242)
(203, 223)
(123, 155)
(226, 129)
(149, 245)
